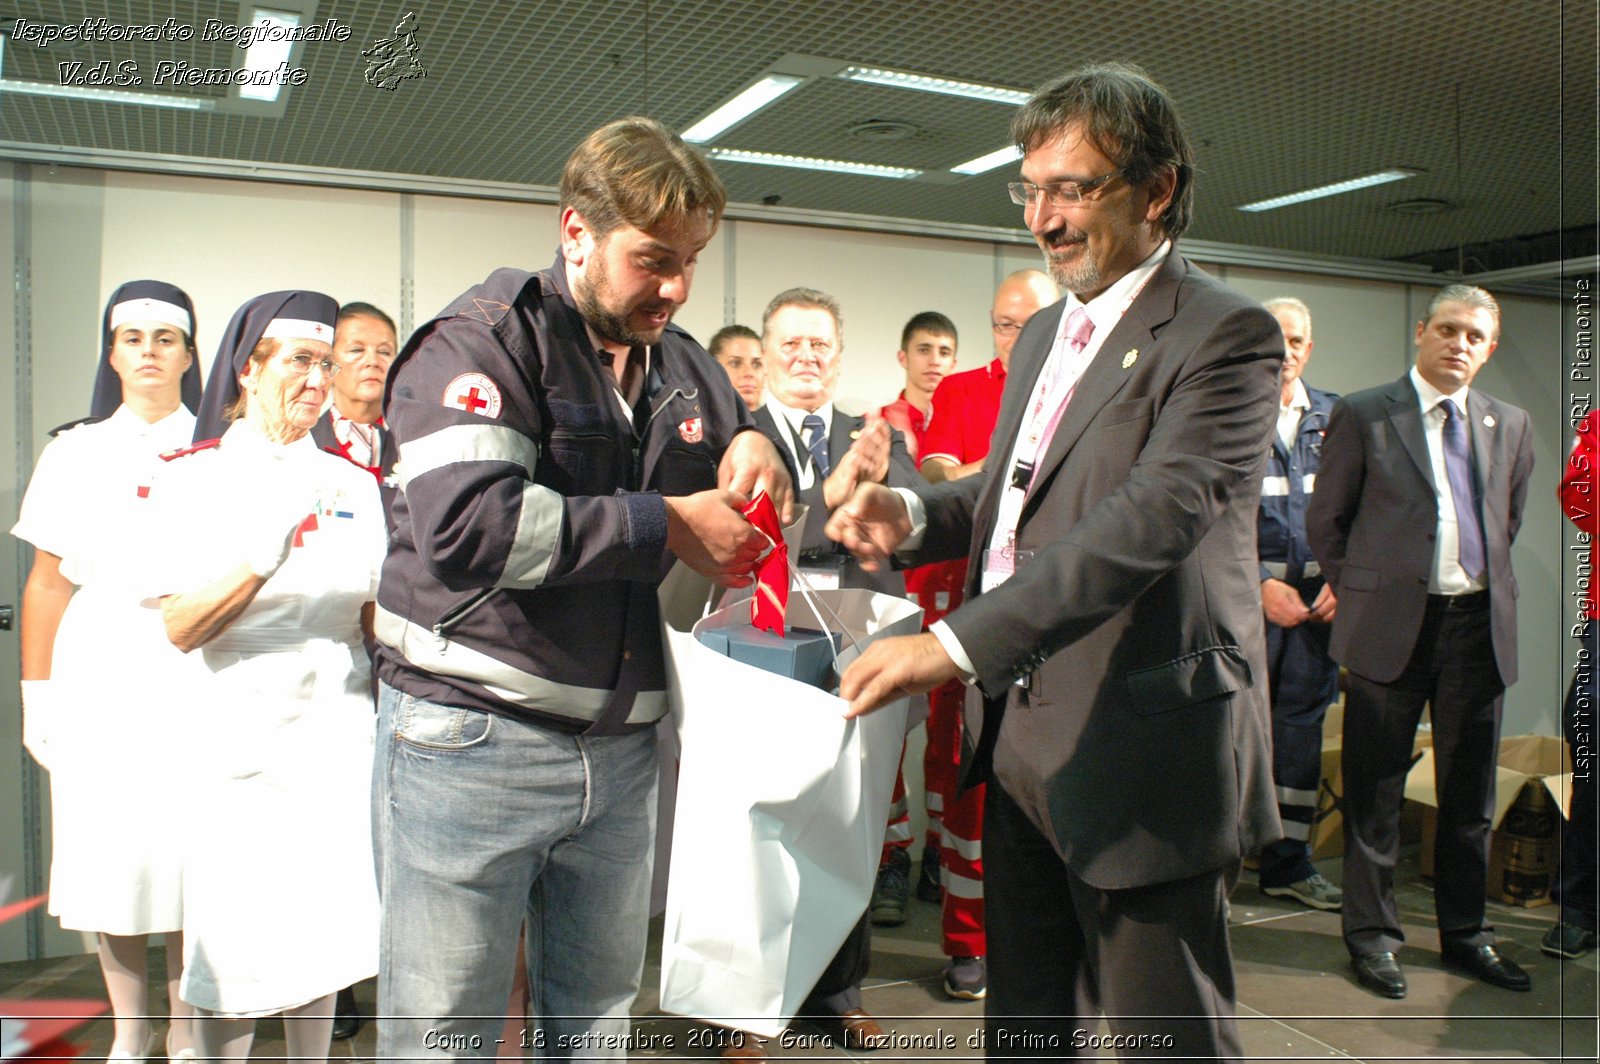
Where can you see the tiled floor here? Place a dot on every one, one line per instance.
(1297, 999)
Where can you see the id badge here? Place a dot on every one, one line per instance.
(824, 574)
(999, 565)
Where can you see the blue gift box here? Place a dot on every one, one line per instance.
(803, 654)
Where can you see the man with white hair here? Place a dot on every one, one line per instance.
(1299, 606)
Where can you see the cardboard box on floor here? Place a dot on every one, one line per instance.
(1532, 792)
(1327, 827)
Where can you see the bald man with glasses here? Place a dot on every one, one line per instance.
(956, 443)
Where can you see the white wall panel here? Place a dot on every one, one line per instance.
(224, 242)
(20, 780)
(1525, 370)
(459, 242)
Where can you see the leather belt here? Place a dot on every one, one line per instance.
(1474, 600)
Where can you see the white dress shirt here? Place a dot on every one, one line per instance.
(792, 416)
(1289, 416)
(1447, 577)
(1105, 310)
(360, 441)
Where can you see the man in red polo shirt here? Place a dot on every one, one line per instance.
(927, 353)
(971, 400)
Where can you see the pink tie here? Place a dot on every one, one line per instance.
(1078, 329)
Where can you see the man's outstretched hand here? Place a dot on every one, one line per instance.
(894, 668)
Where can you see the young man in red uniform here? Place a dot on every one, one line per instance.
(927, 353)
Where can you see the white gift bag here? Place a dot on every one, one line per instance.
(781, 809)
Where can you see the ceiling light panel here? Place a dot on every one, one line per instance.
(819, 122)
(741, 107)
(267, 52)
(943, 86)
(77, 92)
(995, 159)
(1382, 177)
(804, 162)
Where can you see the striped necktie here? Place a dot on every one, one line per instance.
(816, 443)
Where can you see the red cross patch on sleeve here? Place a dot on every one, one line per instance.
(474, 393)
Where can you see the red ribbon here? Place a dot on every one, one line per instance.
(771, 601)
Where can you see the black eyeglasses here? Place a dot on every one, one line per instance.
(1060, 194)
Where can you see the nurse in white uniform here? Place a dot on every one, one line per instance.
(280, 900)
(97, 670)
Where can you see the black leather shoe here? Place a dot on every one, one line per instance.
(346, 1016)
(1486, 963)
(1380, 973)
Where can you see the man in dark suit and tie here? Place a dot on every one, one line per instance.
(1112, 624)
(802, 341)
(1418, 500)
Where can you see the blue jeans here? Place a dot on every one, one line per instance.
(482, 823)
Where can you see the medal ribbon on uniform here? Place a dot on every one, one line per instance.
(771, 602)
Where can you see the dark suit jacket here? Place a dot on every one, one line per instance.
(1141, 748)
(902, 474)
(1373, 518)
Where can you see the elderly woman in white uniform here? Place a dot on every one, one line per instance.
(97, 670)
(280, 902)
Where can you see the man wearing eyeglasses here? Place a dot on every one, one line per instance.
(955, 445)
(1112, 626)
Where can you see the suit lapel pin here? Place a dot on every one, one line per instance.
(1488, 421)
(1130, 358)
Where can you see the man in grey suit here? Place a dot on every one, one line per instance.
(1112, 626)
(1418, 499)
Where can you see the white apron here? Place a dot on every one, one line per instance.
(280, 899)
(117, 737)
